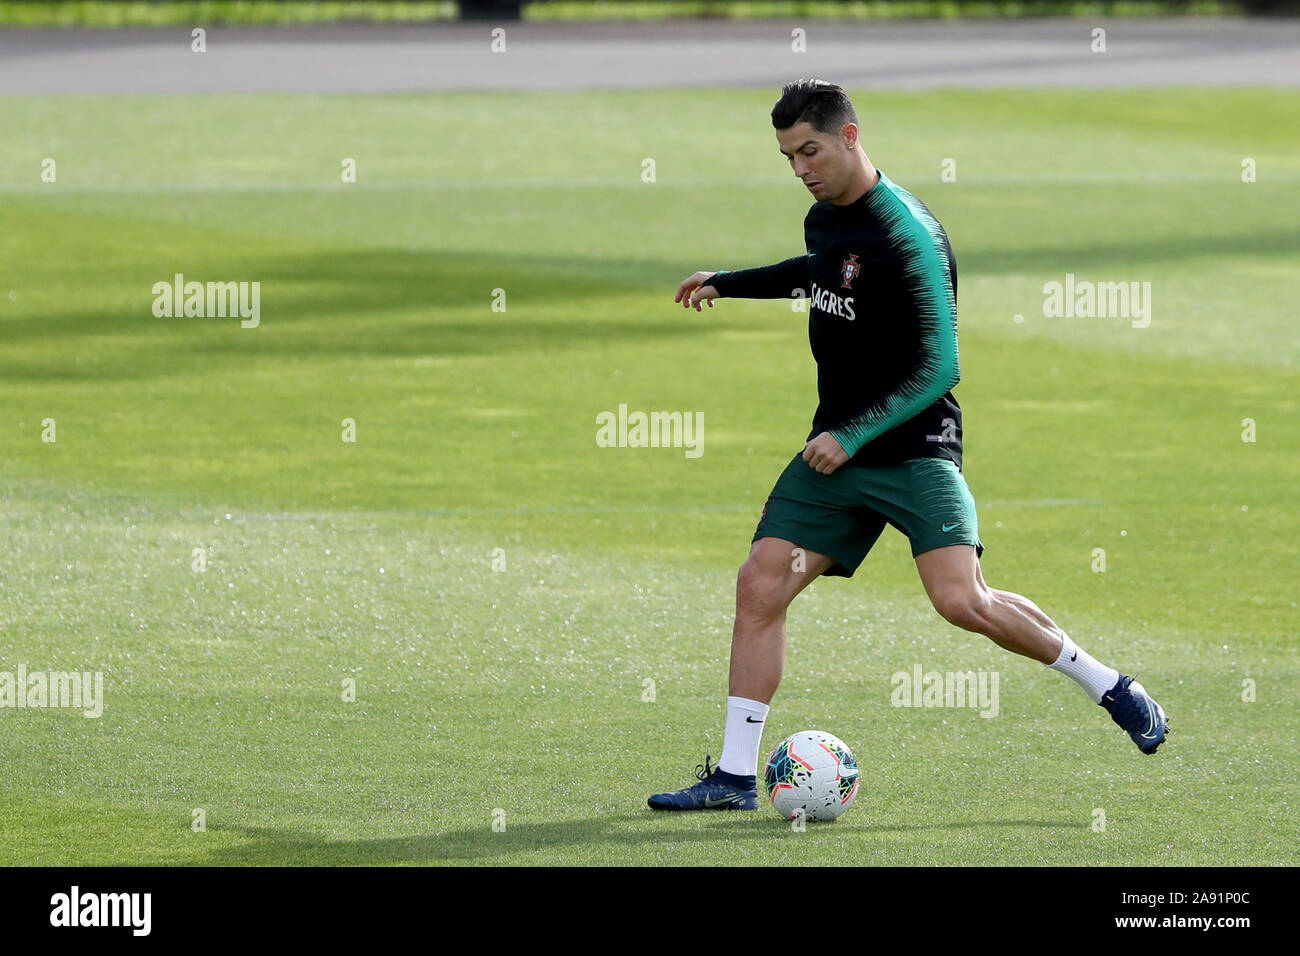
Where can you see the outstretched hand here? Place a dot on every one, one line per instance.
(693, 291)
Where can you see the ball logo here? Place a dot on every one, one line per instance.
(850, 270)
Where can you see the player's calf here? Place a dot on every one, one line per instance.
(775, 572)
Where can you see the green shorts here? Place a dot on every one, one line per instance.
(842, 514)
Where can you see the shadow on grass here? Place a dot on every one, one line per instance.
(1118, 255)
(403, 303)
(386, 303)
(427, 302)
(571, 841)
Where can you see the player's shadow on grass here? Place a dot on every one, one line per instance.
(552, 840)
(476, 844)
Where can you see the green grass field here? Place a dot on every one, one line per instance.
(521, 690)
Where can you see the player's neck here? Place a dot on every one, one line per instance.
(866, 180)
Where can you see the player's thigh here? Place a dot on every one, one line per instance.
(780, 568)
(952, 580)
(929, 500)
(821, 515)
(954, 567)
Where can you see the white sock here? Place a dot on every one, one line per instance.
(1092, 675)
(745, 719)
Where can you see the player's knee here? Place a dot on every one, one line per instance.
(759, 591)
(965, 607)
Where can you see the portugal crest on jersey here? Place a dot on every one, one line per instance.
(850, 270)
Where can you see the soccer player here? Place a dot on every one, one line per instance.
(886, 440)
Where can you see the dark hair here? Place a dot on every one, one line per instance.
(825, 106)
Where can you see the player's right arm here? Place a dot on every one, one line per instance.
(777, 281)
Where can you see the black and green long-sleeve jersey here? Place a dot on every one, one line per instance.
(881, 281)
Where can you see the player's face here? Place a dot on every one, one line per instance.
(822, 161)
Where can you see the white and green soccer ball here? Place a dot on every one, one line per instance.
(814, 773)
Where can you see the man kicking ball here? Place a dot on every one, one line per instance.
(886, 440)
